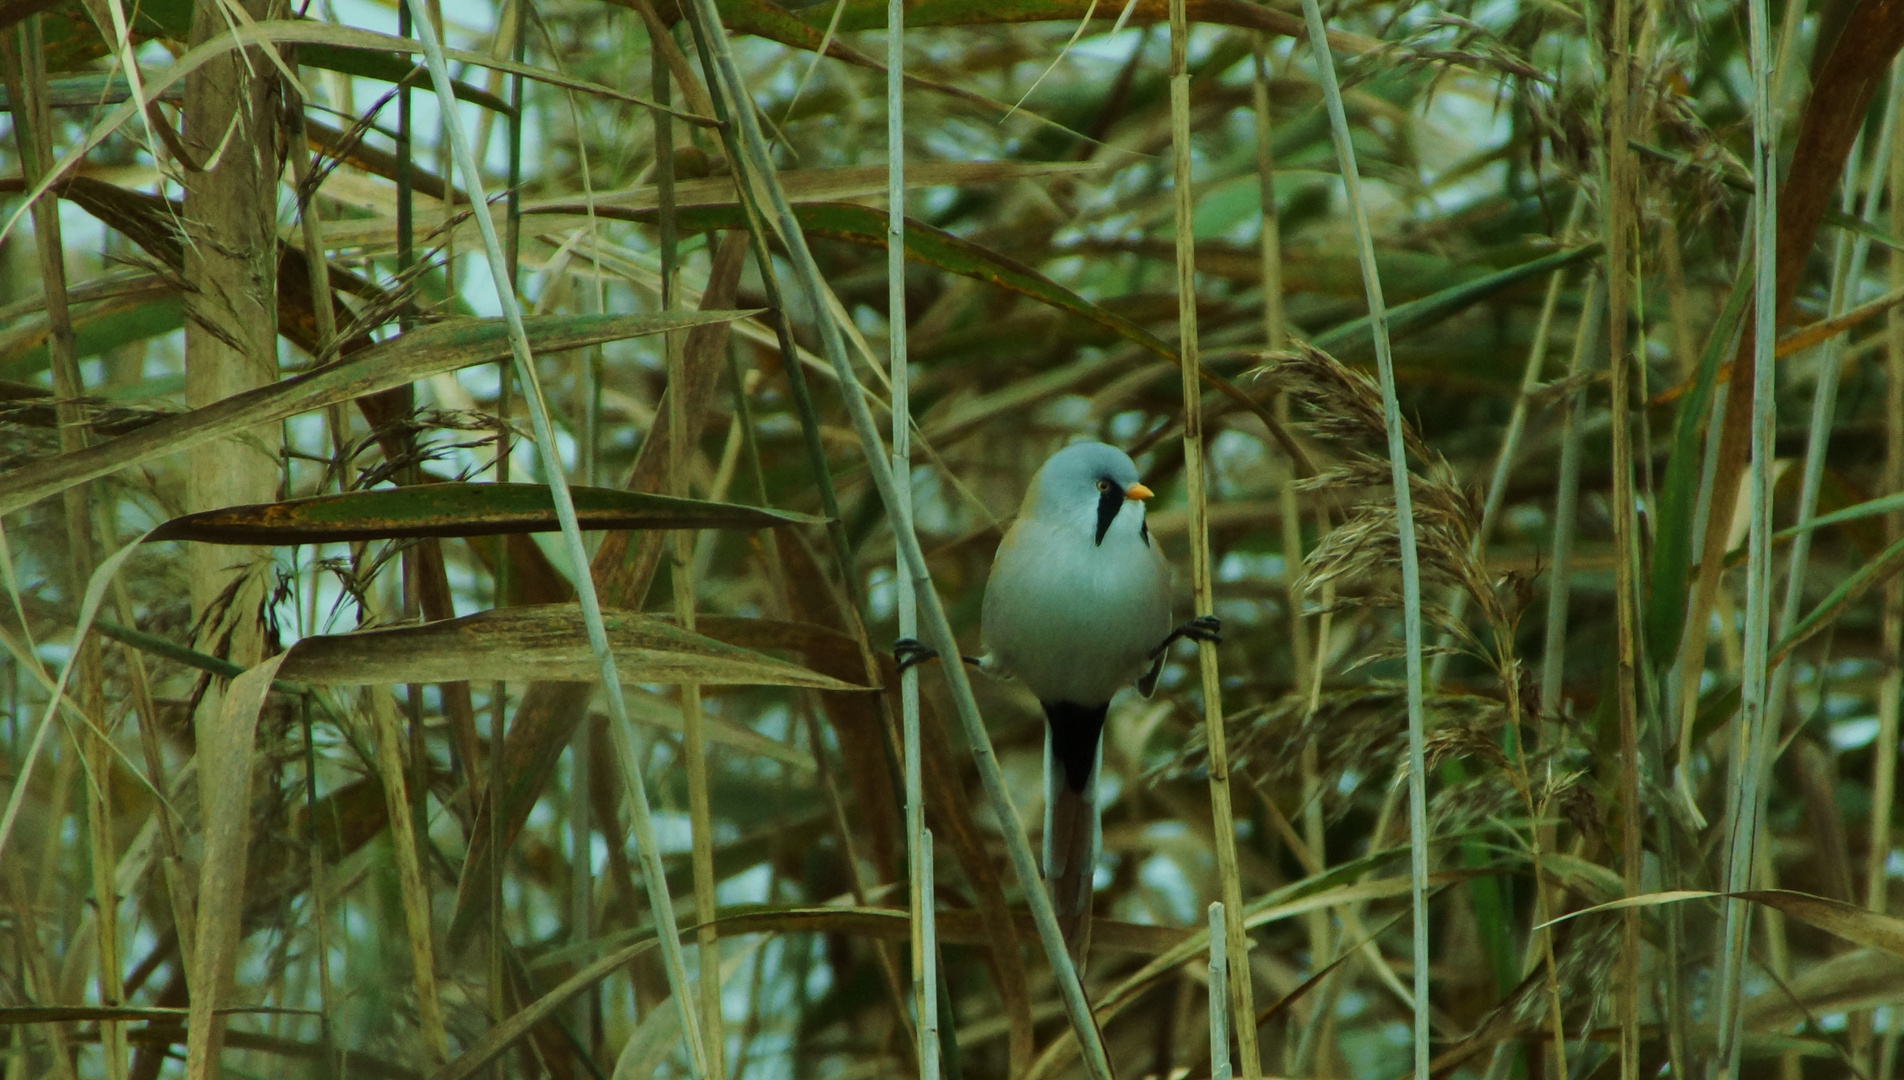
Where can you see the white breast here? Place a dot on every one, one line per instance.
(1075, 620)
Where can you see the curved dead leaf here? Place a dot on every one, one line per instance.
(545, 642)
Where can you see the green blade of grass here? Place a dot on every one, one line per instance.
(1678, 500)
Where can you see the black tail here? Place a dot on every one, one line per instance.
(1073, 736)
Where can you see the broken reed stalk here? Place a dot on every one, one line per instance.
(1242, 998)
(918, 844)
(641, 817)
(1219, 993)
(1751, 745)
(928, 984)
(1404, 524)
(756, 164)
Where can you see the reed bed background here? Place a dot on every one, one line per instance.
(1549, 484)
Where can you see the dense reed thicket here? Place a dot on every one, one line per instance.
(351, 449)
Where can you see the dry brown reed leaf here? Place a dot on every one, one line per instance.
(388, 735)
(225, 755)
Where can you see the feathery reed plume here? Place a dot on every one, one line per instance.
(1362, 557)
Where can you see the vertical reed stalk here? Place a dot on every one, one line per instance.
(1618, 195)
(758, 232)
(1891, 694)
(919, 868)
(406, 165)
(310, 222)
(404, 841)
(32, 131)
(640, 813)
(928, 986)
(1559, 590)
(1848, 273)
(756, 165)
(1219, 993)
(681, 574)
(1510, 440)
(1404, 523)
(171, 858)
(1241, 993)
(1756, 729)
(1553, 667)
(320, 915)
(1306, 659)
(499, 690)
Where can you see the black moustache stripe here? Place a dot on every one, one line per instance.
(1108, 504)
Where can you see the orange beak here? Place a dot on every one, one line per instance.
(1138, 492)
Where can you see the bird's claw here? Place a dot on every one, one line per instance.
(1204, 628)
(911, 652)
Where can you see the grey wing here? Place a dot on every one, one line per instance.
(1147, 682)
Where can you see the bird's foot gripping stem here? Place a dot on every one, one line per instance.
(911, 652)
(1202, 628)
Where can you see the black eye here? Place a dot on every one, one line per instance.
(1104, 485)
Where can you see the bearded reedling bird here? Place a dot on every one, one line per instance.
(1077, 608)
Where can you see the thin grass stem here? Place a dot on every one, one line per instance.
(1618, 196)
(1219, 994)
(1404, 523)
(1848, 273)
(925, 974)
(26, 81)
(1756, 728)
(759, 167)
(681, 576)
(1891, 692)
(1242, 998)
(929, 986)
(641, 815)
(404, 838)
(1510, 443)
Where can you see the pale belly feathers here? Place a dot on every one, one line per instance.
(1076, 621)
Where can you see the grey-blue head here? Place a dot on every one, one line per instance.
(1087, 480)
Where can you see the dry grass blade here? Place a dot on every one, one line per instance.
(1008, 286)
(938, 629)
(88, 611)
(1239, 986)
(453, 509)
(1855, 924)
(388, 736)
(1404, 516)
(405, 359)
(226, 753)
(548, 642)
